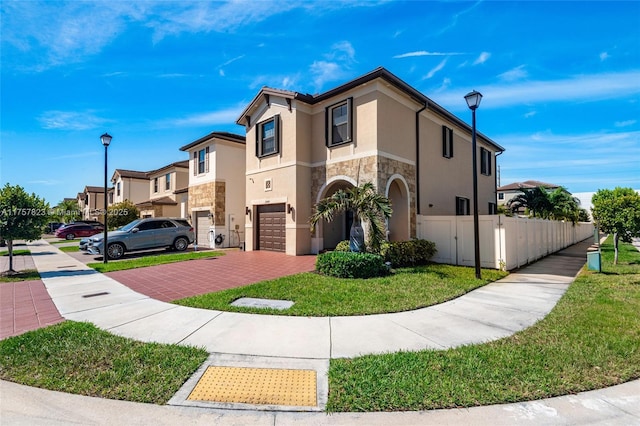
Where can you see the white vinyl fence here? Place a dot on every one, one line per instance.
(505, 242)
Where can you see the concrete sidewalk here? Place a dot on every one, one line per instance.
(491, 312)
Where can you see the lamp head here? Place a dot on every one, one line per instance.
(473, 99)
(105, 139)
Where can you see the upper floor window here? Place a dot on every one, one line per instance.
(500, 195)
(167, 182)
(493, 208)
(201, 161)
(118, 189)
(485, 161)
(462, 206)
(339, 123)
(447, 142)
(267, 137)
(155, 185)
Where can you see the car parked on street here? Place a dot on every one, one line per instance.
(70, 232)
(144, 234)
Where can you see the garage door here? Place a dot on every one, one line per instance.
(271, 227)
(202, 229)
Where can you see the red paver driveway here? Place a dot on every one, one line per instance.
(189, 278)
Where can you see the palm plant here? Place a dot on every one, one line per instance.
(564, 205)
(536, 200)
(366, 204)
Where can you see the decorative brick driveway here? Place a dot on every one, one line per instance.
(193, 277)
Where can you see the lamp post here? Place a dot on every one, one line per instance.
(106, 140)
(473, 101)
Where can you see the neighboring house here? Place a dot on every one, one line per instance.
(91, 202)
(162, 184)
(375, 128)
(507, 192)
(216, 191)
(130, 185)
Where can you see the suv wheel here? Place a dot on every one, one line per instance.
(115, 251)
(70, 236)
(180, 244)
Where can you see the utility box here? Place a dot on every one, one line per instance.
(593, 259)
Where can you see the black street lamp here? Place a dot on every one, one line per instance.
(106, 140)
(473, 101)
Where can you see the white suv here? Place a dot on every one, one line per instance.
(144, 234)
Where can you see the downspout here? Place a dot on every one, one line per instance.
(495, 179)
(418, 157)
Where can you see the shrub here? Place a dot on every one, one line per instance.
(351, 265)
(409, 253)
(343, 246)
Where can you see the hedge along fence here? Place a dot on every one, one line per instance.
(408, 253)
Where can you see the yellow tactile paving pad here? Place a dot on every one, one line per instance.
(266, 386)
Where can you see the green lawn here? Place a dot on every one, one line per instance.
(590, 340)
(79, 358)
(319, 295)
(77, 240)
(26, 275)
(70, 249)
(151, 260)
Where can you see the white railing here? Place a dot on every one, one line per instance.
(505, 242)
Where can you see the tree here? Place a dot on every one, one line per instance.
(366, 204)
(121, 213)
(536, 200)
(564, 206)
(617, 212)
(22, 217)
(67, 211)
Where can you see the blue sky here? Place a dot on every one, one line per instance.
(561, 80)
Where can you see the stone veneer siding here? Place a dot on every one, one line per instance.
(373, 169)
(210, 194)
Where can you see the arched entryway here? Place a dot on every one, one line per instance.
(331, 233)
(399, 222)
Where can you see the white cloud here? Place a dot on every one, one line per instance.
(343, 51)
(604, 56)
(220, 117)
(323, 72)
(530, 114)
(436, 69)
(70, 120)
(578, 88)
(484, 56)
(517, 73)
(425, 53)
(625, 123)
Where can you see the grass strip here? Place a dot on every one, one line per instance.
(141, 262)
(20, 252)
(78, 358)
(26, 275)
(76, 240)
(319, 295)
(590, 340)
(70, 249)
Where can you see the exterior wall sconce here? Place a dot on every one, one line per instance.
(247, 211)
(289, 208)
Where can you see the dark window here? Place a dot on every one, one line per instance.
(118, 188)
(339, 123)
(447, 142)
(201, 159)
(268, 137)
(493, 208)
(485, 162)
(167, 182)
(155, 185)
(462, 206)
(500, 195)
(151, 224)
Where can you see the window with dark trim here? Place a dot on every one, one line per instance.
(268, 137)
(167, 182)
(118, 189)
(339, 128)
(462, 206)
(500, 195)
(155, 185)
(201, 161)
(485, 162)
(493, 208)
(447, 142)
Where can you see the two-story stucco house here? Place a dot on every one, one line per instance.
(91, 202)
(130, 185)
(164, 191)
(507, 192)
(217, 189)
(302, 148)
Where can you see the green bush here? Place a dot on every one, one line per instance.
(351, 265)
(343, 246)
(408, 253)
